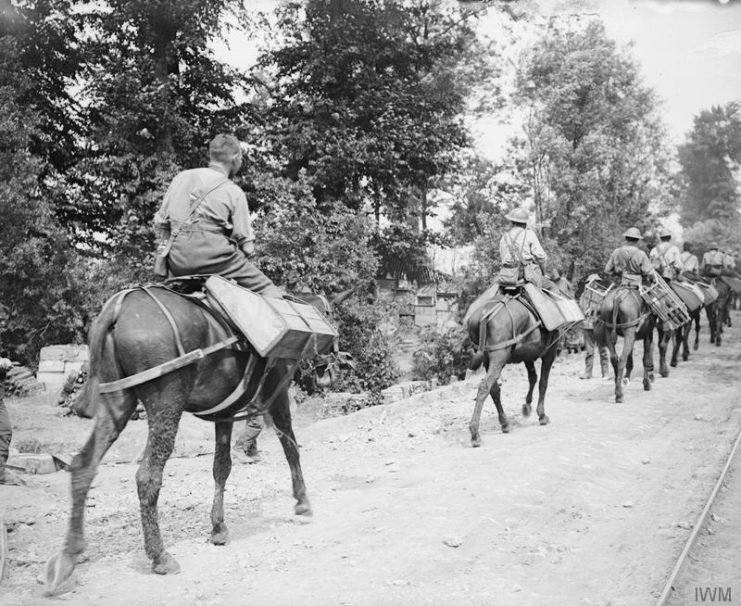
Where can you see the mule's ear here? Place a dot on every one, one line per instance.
(342, 296)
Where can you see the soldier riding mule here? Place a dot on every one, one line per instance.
(175, 355)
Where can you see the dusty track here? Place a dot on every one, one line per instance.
(591, 510)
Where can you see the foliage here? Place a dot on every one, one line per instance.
(709, 158)
(443, 354)
(403, 252)
(368, 100)
(596, 156)
(301, 248)
(154, 95)
(370, 348)
(37, 285)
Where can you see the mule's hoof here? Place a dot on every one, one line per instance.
(165, 564)
(696, 347)
(544, 420)
(619, 399)
(303, 509)
(220, 535)
(475, 442)
(626, 381)
(58, 570)
(651, 377)
(506, 428)
(647, 386)
(674, 363)
(526, 410)
(664, 373)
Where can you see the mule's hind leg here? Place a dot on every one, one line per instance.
(493, 370)
(496, 395)
(222, 469)
(280, 412)
(545, 371)
(112, 414)
(163, 414)
(696, 345)
(532, 379)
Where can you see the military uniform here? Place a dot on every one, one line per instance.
(212, 240)
(630, 263)
(712, 262)
(690, 263)
(667, 260)
(6, 430)
(590, 342)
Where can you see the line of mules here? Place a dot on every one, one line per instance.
(135, 334)
(517, 336)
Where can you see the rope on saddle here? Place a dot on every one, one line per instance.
(614, 325)
(516, 338)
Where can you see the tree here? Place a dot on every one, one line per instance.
(37, 264)
(367, 99)
(596, 154)
(154, 96)
(709, 159)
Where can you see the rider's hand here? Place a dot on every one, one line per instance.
(5, 364)
(248, 248)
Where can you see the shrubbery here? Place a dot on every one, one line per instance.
(443, 354)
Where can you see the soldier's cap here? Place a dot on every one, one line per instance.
(713, 246)
(592, 278)
(633, 234)
(224, 145)
(664, 233)
(518, 215)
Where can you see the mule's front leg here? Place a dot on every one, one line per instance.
(281, 415)
(532, 379)
(545, 371)
(222, 469)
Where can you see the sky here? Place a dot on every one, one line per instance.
(689, 50)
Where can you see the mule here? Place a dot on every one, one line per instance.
(624, 312)
(507, 331)
(133, 334)
(717, 312)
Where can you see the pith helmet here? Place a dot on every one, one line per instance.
(713, 246)
(592, 278)
(518, 215)
(664, 233)
(633, 234)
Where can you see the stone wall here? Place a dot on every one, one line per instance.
(56, 362)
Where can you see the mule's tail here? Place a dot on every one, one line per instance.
(88, 398)
(480, 356)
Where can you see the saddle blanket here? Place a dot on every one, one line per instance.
(691, 295)
(276, 328)
(555, 310)
(708, 291)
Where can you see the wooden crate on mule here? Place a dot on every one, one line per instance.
(276, 328)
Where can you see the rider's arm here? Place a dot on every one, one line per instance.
(610, 268)
(536, 250)
(242, 232)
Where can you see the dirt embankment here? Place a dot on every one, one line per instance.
(590, 510)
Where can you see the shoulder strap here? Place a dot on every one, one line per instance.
(194, 206)
(513, 249)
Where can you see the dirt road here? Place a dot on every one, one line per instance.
(590, 510)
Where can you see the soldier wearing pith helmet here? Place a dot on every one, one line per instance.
(665, 257)
(628, 262)
(520, 247)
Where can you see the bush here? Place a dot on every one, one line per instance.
(371, 349)
(444, 354)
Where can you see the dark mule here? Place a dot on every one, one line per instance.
(130, 336)
(624, 312)
(682, 334)
(717, 312)
(507, 331)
